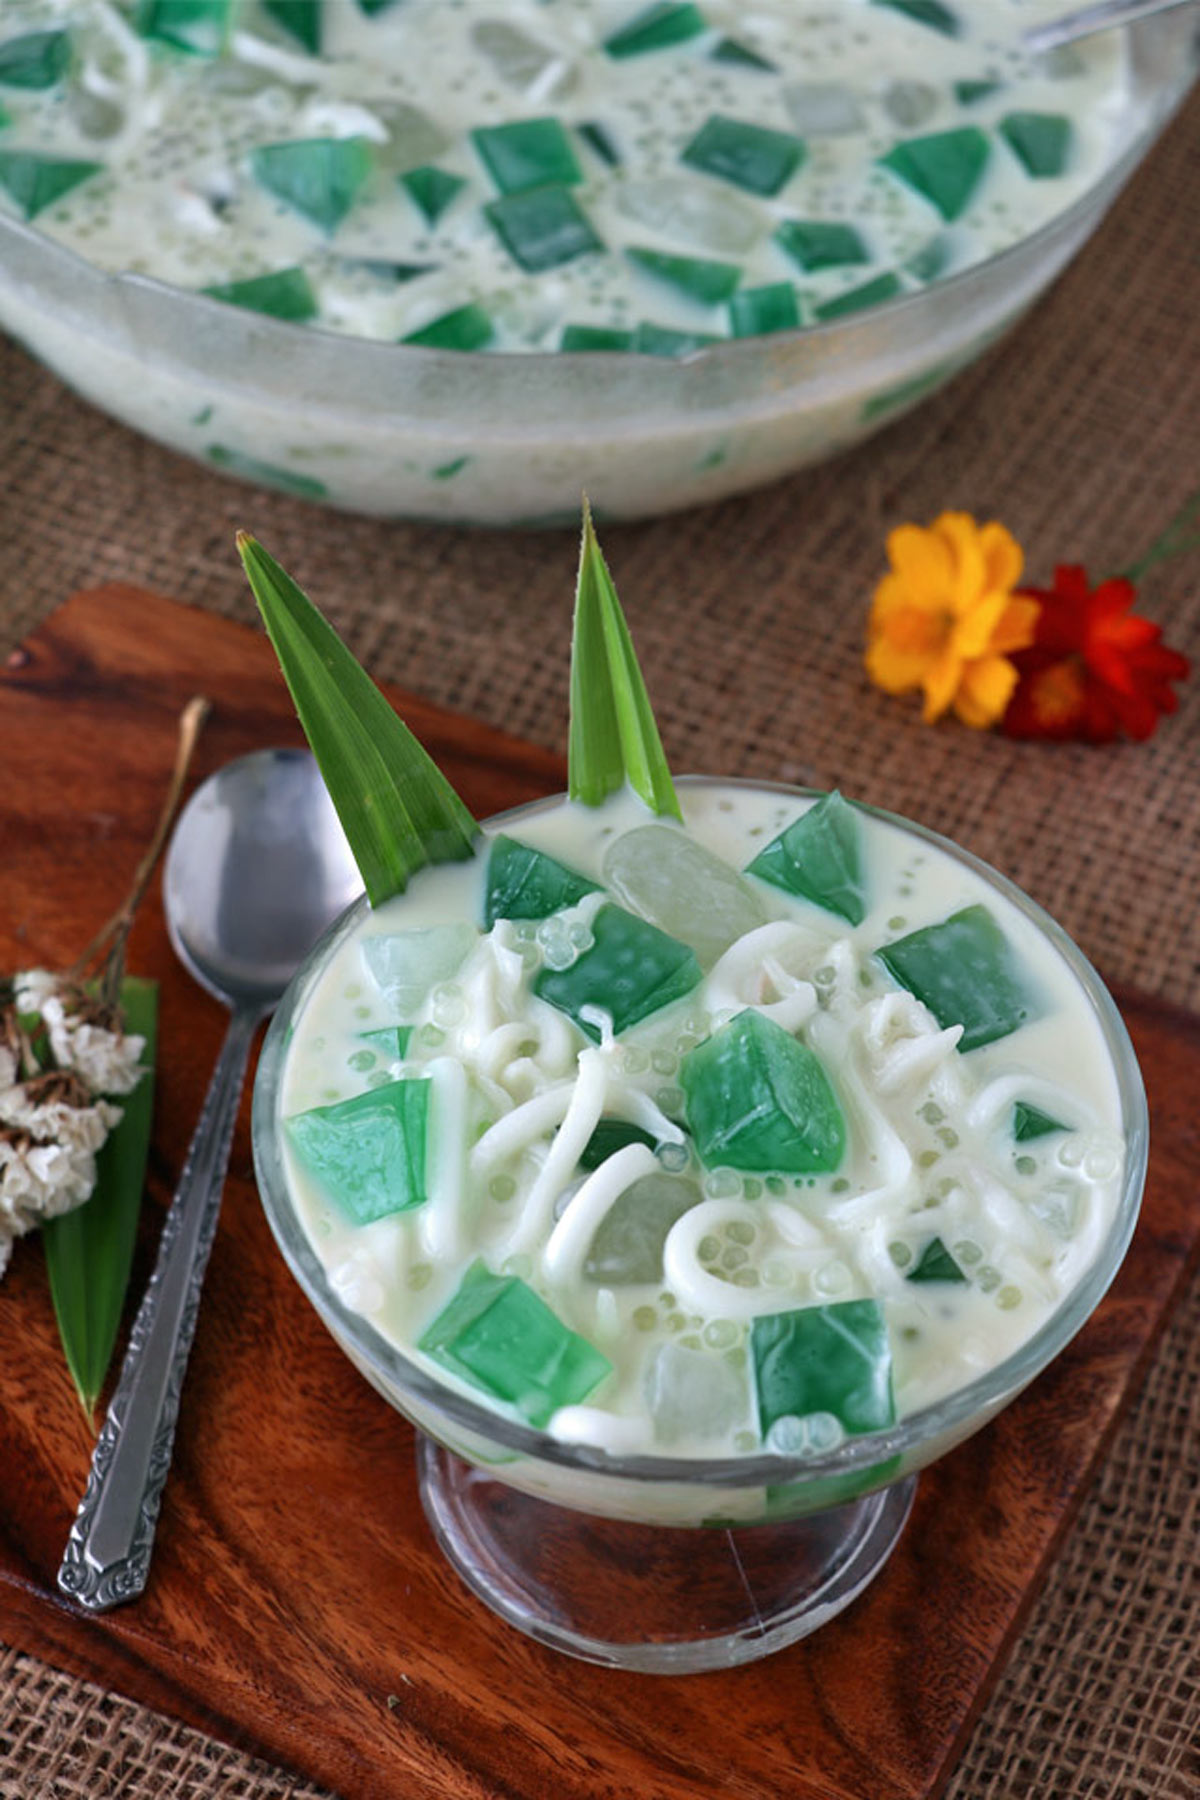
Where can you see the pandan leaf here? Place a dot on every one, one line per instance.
(613, 737)
(397, 809)
(89, 1252)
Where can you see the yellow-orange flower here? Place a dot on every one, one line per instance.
(945, 619)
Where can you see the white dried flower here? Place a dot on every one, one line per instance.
(107, 1062)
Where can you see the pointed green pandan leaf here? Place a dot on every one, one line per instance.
(397, 809)
(613, 737)
(89, 1252)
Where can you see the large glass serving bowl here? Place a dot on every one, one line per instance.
(669, 1563)
(401, 432)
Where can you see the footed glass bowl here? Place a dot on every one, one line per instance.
(664, 1563)
(401, 431)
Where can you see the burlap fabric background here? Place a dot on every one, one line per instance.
(1082, 433)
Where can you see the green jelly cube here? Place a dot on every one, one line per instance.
(928, 12)
(466, 328)
(500, 1336)
(528, 153)
(944, 167)
(36, 59)
(610, 1136)
(970, 93)
(302, 18)
(657, 27)
(284, 294)
(36, 182)
(627, 1245)
(1041, 140)
(819, 857)
(432, 189)
(663, 340)
(824, 1359)
(935, 1263)
(318, 177)
(871, 293)
(595, 337)
(965, 972)
(523, 883)
(601, 141)
(391, 1040)
(1031, 1122)
(631, 970)
(753, 157)
(541, 228)
(931, 260)
(253, 468)
(758, 1099)
(700, 278)
(755, 312)
(741, 56)
(390, 271)
(199, 27)
(821, 243)
(368, 1153)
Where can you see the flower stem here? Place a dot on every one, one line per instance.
(1179, 536)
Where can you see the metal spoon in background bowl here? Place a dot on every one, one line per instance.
(257, 868)
(1106, 15)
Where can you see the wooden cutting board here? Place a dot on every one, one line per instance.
(298, 1605)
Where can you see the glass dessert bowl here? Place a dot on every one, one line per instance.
(632, 1553)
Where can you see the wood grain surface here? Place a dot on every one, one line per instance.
(298, 1605)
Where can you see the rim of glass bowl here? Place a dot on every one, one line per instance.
(623, 375)
(978, 1398)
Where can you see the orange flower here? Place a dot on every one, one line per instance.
(946, 619)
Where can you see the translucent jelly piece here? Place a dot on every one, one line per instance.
(521, 61)
(935, 1263)
(432, 189)
(708, 282)
(821, 243)
(822, 109)
(754, 312)
(405, 964)
(681, 207)
(283, 294)
(368, 1153)
(757, 1099)
(628, 1243)
(36, 59)
(1031, 1122)
(910, 104)
(872, 293)
(665, 876)
(610, 1136)
(527, 153)
(944, 168)
(657, 27)
(1042, 141)
(729, 50)
(751, 156)
(541, 228)
(595, 337)
(819, 857)
(318, 177)
(966, 973)
(497, 1334)
(928, 12)
(36, 182)
(970, 93)
(824, 1359)
(390, 1040)
(664, 340)
(631, 970)
(692, 1394)
(523, 883)
(465, 328)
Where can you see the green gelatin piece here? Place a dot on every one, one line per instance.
(1031, 1122)
(389, 1040)
(657, 27)
(627, 1247)
(894, 400)
(432, 189)
(824, 1359)
(300, 18)
(931, 260)
(36, 59)
(663, 340)
(700, 278)
(871, 293)
(610, 1136)
(758, 1099)
(970, 93)
(36, 182)
(821, 243)
(318, 177)
(965, 972)
(284, 294)
(528, 153)
(466, 328)
(369, 1153)
(523, 883)
(729, 50)
(631, 970)
(1042, 141)
(601, 141)
(497, 1334)
(542, 228)
(595, 337)
(944, 168)
(819, 857)
(935, 1263)
(391, 271)
(199, 27)
(755, 312)
(753, 157)
(928, 12)
(252, 468)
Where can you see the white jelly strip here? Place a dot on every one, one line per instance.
(442, 1225)
(710, 1296)
(736, 979)
(562, 1259)
(579, 1121)
(522, 1126)
(592, 1425)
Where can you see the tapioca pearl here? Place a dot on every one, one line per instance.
(900, 1253)
(988, 1278)
(831, 1279)
(736, 1357)
(379, 1078)
(1071, 1153)
(1008, 1297)
(1101, 1162)
(1025, 1165)
(968, 1252)
(744, 1442)
(788, 1435)
(502, 1188)
(709, 1249)
(580, 935)
(664, 1062)
(670, 1101)
(635, 1062)
(519, 1264)
(449, 1006)
(948, 1137)
(734, 1257)
(431, 1036)
(776, 1274)
(673, 1157)
(747, 1278)
(361, 1060)
(723, 1184)
(721, 1334)
(674, 1321)
(927, 1158)
(419, 1276)
(645, 1318)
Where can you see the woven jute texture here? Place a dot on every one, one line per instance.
(1081, 432)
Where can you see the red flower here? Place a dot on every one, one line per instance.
(1094, 670)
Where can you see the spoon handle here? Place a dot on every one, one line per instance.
(107, 1555)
